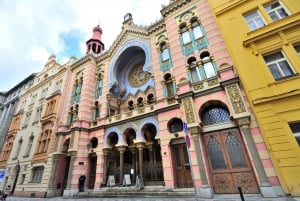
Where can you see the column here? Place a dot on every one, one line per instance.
(108, 96)
(105, 165)
(133, 152)
(140, 147)
(121, 149)
(70, 174)
(265, 187)
(205, 189)
(53, 172)
(60, 144)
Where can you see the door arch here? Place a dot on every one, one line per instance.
(229, 163)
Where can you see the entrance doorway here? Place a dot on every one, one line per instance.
(182, 166)
(229, 164)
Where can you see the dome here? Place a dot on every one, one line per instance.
(97, 28)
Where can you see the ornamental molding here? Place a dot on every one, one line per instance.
(168, 10)
(81, 62)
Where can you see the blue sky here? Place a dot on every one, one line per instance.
(31, 30)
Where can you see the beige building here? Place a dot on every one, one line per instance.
(28, 158)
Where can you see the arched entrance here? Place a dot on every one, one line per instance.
(92, 162)
(229, 163)
(152, 160)
(181, 164)
(113, 158)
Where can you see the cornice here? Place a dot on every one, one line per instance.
(156, 27)
(228, 6)
(168, 10)
(273, 28)
(83, 61)
(128, 30)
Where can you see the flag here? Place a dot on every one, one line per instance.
(187, 137)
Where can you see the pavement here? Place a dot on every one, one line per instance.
(247, 198)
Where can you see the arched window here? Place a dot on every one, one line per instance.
(76, 91)
(185, 34)
(196, 29)
(194, 70)
(140, 102)
(215, 114)
(130, 105)
(175, 125)
(98, 86)
(208, 65)
(169, 85)
(164, 52)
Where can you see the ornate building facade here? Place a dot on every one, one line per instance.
(266, 52)
(8, 103)
(129, 111)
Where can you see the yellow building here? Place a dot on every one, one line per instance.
(263, 38)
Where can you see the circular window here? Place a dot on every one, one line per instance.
(137, 76)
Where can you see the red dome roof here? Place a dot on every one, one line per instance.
(97, 28)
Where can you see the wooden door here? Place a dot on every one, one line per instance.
(229, 165)
(182, 166)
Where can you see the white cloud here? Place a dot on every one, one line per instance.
(31, 30)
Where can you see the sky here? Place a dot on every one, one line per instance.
(32, 30)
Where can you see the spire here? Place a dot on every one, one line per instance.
(94, 45)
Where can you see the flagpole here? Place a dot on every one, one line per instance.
(188, 144)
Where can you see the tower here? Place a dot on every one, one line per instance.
(94, 45)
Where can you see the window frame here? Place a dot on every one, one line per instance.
(277, 64)
(276, 10)
(295, 128)
(254, 20)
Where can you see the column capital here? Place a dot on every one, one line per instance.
(194, 131)
(106, 151)
(140, 145)
(121, 148)
(243, 122)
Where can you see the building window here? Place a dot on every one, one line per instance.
(22, 178)
(197, 31)
(96, 111)
(37, 174)
(29, 146)
(130, 105)
(18, 148)
(295, 127)
(208, 65)
(58, 85)
(76, 91)
(185, 34)
(38, 114)
(44, 141)
(254, 20)
(170, 90)
(33, 98)
(28, 115)
(215, 114)
(164, 52)
(7, 149)
(44, 93)
(99, 84)
(297, 48)
(194, 70)
(278, 65)
(276, 11)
